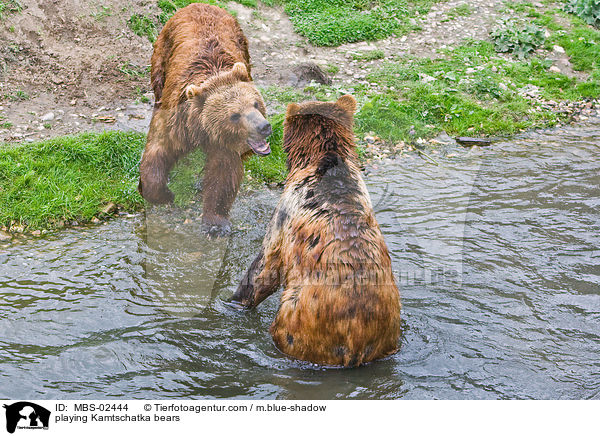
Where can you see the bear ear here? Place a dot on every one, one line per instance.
(292, 109)
(240, 71)
(192, 90)
(347, 102)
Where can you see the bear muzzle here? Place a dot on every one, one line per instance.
(262, 129)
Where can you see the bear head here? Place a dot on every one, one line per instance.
(312, 129)
(230, 111)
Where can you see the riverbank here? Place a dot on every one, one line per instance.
(448, 68)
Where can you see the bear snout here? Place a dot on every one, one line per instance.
(264, 129)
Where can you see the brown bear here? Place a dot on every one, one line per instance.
(340, 305)
(204, 98)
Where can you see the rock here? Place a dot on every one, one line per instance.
(554, 69)
(109, 208)
(558, 49)
(426, 79)
(5, 236)
(47, 117)
(95, 220)
(307, 72)
(36, 233)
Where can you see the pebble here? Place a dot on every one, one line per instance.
(48, 116)
(554, 69)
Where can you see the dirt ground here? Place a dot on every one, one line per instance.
(74, 60)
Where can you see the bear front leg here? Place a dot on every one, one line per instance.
(258, 283)
(223, 174)
(156, 163)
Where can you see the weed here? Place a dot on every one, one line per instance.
(587, 10)
(332, 69)
(17, 96)
(143, 26)
(6, 125)
(520, 38)
(102, 12)
(47, 126)
(134, 71)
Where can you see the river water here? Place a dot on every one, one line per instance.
(496, 251)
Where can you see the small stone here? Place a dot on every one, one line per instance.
(5, 236)
(73, 102)
(47, 117)
(109, 208)
(95, 220)
(36, 233)
(554, 69)
(558, 49)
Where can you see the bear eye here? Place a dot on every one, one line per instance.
(235, 117)
(255, 105)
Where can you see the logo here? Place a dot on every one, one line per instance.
(25, 415)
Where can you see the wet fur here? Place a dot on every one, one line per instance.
(340, 305)
(198, 46)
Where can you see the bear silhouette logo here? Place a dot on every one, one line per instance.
(26, 415)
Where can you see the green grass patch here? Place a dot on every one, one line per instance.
(68, 178)
(371, 55)
(335, 22)
(271, 168)
(468, 91)
(9, 6)
(142, 26)
(463, 10)
(18, 95)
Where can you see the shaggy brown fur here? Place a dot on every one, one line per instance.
(340, 305)
(204, 98)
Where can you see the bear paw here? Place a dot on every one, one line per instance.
(216, 226)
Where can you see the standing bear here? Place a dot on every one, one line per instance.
(204, 98)
(340, 305)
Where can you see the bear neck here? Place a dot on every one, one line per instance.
(212, 58)
(311, 144)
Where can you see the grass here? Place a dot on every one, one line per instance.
(134, 71)
(68, 178)
(469, 91)
(9, 6)
(335, 22)
(142, 26)
(18, 95)
(371, 55)
(72, 178)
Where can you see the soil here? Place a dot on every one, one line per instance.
(71, 58)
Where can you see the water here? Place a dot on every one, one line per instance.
(497, 252)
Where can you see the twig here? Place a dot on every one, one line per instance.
(432, 160)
